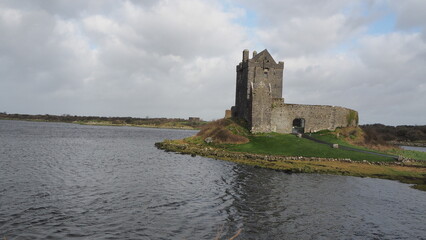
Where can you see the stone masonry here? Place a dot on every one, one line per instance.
(259, 101)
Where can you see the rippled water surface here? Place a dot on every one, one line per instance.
(60, 181)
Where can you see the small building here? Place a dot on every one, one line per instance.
(258, 100)
(194, 119)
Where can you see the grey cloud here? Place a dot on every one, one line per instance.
(379, 75)
(382, 78)
(410, 14)
(177, 58)
(121, 58)
(297, 28)
(72, 9)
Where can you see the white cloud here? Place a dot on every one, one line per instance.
(295, 28)
(332, 57)
(382, 78)
(309, 35)
(177, 58)
(171, 58)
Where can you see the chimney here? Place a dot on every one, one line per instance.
(254, 53)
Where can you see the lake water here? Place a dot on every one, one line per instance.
(61, 181)
(420, 149)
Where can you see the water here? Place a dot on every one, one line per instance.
(61, 181)
(420, 149)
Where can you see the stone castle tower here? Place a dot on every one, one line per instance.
(259, 101)
(259, 80)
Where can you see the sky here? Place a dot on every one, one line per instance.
(177, 58)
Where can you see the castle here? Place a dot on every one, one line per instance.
(259, 101)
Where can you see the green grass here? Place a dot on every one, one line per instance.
(409, 154)
(290, 145)
(331, 138)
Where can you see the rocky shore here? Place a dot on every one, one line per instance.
(218, 153)
(404, 170)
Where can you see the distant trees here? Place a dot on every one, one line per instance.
(382, 133)
(112, 120)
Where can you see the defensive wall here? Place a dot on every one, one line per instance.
(315, 117)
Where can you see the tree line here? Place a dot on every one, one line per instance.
(113, 120)
(377, 133)
(404, 133)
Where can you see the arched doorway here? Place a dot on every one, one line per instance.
(298, 125)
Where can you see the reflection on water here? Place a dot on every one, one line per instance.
(88, 182)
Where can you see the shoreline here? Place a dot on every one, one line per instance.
(406, 171)
(408, 144)
(91, 123)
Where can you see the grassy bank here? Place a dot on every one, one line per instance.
(354, 137)
(288, 153)
(290, 145)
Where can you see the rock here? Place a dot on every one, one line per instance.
(208, 140)
(335, 145)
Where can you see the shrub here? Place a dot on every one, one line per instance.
(224, 131)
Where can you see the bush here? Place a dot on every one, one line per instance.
(224, 131)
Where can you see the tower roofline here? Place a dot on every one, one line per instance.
(263, 54)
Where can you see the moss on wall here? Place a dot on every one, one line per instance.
(352, 117)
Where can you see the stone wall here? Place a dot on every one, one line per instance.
(316, 117)
(251, 72)
(258, 100)
(261, 107)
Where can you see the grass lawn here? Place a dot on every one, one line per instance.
(331, 138)
(290, 145)
(409, 154)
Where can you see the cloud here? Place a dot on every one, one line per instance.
(295, 28)
(410, 14)
(309, 35)
(39, 54)
(334, 56)
(382, 78)
(171, 58)
(177, 58)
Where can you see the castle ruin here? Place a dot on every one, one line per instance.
(259, 101)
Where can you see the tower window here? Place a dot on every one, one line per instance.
(265, 72)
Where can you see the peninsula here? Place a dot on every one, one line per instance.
(263, 131)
